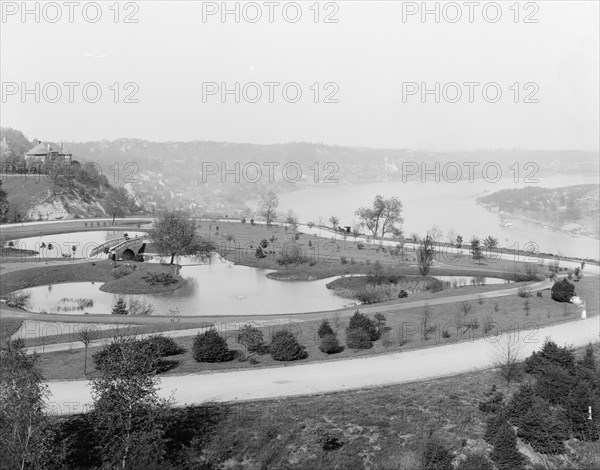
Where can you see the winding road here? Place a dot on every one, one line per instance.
(338, 375)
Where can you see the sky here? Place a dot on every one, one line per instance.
(366, 72)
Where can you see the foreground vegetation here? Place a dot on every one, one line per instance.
(473, 421)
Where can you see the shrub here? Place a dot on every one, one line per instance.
(343, 260)
(18, 299)
(165, 345)
(324, 329)
(358, 338)
(475, 461)
(524, 291)
(210, 346)
(121, 271)
(360, 246)
(120, 307)
(539, 293)
(402, 294)
(139, 307)
(110, 355)
(285, 347)
(562, 291)
(436, 456)
(358, 321)
(164, 279)
(251, 337)
(330, 344)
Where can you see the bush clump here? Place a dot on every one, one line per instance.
(285, 347)
(562, 291)
(210, 346)
(358, 321)
(165, 345)
(330, 344)
(358, 338)
(18, 299)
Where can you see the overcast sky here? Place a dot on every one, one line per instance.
(368, 54)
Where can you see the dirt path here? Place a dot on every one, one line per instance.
(347, 374)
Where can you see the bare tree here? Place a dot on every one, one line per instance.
(119, 203)
(507, 355)
(435, 233)
(292, 219)
(267, 207)
(425, 319)
(87, 334)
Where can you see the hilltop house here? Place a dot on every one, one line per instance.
(48, 152)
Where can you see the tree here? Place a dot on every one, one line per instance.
(507, 356)
(334, 221)
(562, 291)
(3, 204)
(127, 409)
(285, 347)
(358, 338)
(119, 202)
(436, 456)
(476, 250)
(459, 241)
(382, 217)
(292, 219)
(475, 461)
(251, 337)
(120, 307)
(490, 242)
(451, 237)
(210, 346)
(506, 455)
(330, 344)
(87, 334)
(425, 255)
(325, 329)
(359, 320)
(22, 418)
(267, 207)
(174, 234)
(435, 233)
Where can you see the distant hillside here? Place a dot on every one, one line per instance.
(573, 209)
(169, 174)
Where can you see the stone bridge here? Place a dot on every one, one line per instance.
(122, 248)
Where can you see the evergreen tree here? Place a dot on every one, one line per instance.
(210, 346)
(520, 403)
(475, 461)
(506, 455)
(285, 347)
(436, 456)
(493, 424)
(325, 329)
(542, 429)
(120, 308)
(358, 320)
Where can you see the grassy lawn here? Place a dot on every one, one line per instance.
(406, 331)
(330, 256)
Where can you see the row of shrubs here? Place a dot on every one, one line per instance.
(210, 346)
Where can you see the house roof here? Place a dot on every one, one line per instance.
(42, 149)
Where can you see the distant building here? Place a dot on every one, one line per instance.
(48, 152)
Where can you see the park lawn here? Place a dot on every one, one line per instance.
(406, 332)
(237, 242)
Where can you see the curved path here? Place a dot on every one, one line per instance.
(337, 375)
(224, 324)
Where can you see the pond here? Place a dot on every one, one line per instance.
(63, 243)
(216, 287)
